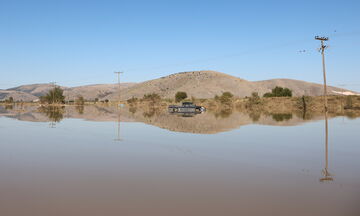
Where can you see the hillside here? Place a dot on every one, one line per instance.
(34, 89)
(199, 84)
(100, 91)
(90, 92)
(207, 84)
(17, 95)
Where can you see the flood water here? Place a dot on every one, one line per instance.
(103, 161)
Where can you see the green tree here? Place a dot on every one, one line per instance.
(279, 92)
(268, 94)
(179, 96)
(54, 96)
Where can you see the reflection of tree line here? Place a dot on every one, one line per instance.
(58, 112)
(80, 109)
(54, 113)
(282, 116)
(9, 106)
(151, 112)
(255, 115)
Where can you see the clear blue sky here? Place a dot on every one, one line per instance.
(84, 42)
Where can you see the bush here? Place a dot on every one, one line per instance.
(179, 96)
(152, 97)
(225, 98)
(282, 116)
(255, 98)
(80, 101)
(227, 95)
(279, 92)
(132, 100)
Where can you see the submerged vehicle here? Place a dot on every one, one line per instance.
(186, 107)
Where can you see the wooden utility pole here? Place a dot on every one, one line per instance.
(322, 50)
(118, 73)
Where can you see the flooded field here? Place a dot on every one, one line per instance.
(107, 161)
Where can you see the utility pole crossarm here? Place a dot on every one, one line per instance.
(321, 38)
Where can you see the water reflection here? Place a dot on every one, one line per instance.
(80, 109)
(118, 138)
(210, 122)
(223, 113)
(255, 116)
(133, 109)
(149, 113)
(54, 113)
(249, 171)
(9, 107)
(327, 177)
(282, 116)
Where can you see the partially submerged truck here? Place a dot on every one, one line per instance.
(186, 107)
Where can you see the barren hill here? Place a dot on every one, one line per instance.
(33, 91)
(17, 95)
(199, 84)
(207, 84)
(100, 91)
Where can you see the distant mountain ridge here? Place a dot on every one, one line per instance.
(199, 84)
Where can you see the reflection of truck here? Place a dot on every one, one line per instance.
(186, 107)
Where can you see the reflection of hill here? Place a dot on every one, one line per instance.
(206, 123)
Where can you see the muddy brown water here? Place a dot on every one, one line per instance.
(97, 161)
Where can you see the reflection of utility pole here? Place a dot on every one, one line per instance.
(327, 176)
(52, 124)
(53, 92)
(118, 139)
(322, 50)
(118, 73)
